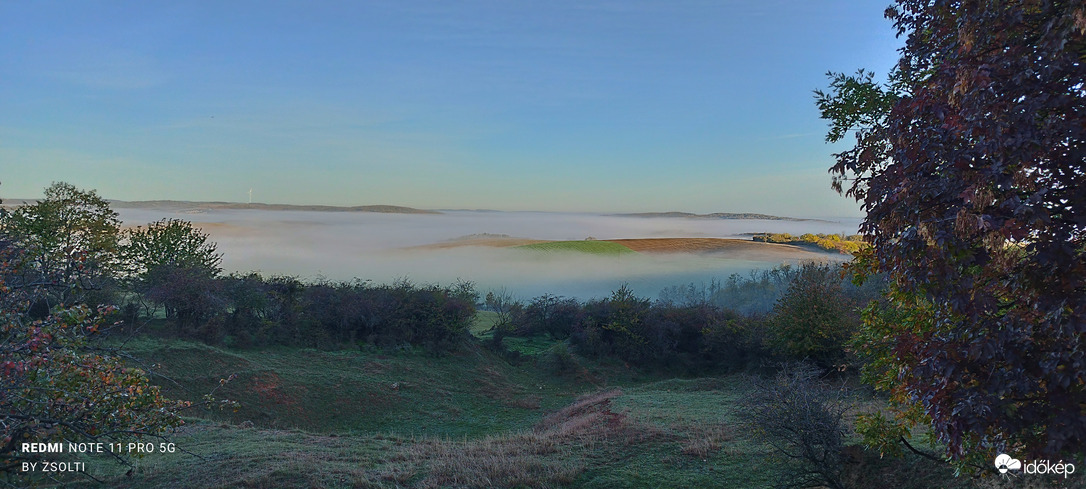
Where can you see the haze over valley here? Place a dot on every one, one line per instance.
(476, 246)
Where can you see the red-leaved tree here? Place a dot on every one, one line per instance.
(971, 166)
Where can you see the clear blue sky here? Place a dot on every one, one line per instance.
(691, 105)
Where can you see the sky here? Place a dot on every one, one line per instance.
(582, 106)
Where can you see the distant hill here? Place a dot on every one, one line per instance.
(185, 205)
(715, 215)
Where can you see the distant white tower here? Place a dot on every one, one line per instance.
(250, 196)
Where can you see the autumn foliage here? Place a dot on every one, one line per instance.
(58, 384)
(971, 163)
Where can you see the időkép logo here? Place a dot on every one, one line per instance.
(1005, 463)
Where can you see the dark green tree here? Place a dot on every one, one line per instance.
(174, 265)
(168, 243)
(68, 241)
(970, 163)
(814, 319)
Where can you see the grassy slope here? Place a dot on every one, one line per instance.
(366, 419)
(483, 326)
(668, 434)
(664, 434)
(466, 394)
(592, 247)
(483, 323)
(334, 419)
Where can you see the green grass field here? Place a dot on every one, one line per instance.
(587, 246)
(483, 323)
(320, 419)
(466, 394)
(392, 419)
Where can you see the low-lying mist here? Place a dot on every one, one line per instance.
(384, 248)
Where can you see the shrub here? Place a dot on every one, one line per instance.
(803, 419)
(815, 317)
(189, 296)
(547, 314)
(557, 360)
(686, 338)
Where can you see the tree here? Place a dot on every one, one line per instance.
(970, 164)
(547, 314)
(502, 304)
(68, 240)
(173, 264)
(57, 384)
(169, 243)
(814, 319)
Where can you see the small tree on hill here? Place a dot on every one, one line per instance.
(173, 243)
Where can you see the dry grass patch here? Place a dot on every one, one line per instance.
(550, 455)
(706, 441)
(221, 456)
(591, 421)
(522, 460)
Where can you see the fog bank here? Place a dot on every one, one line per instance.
(373, 246)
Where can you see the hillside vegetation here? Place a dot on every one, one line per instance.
(830, 242)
